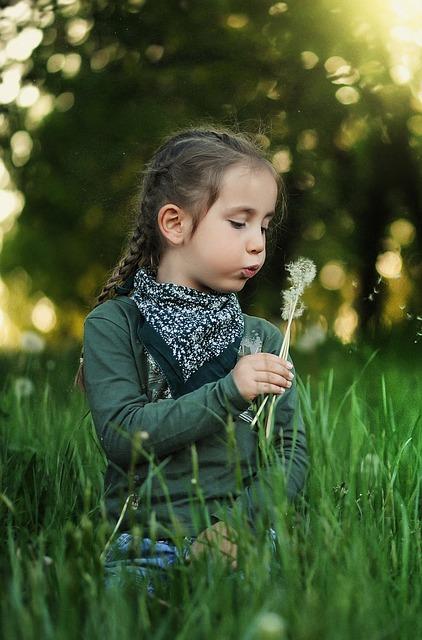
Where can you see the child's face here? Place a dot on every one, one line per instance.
(229, 239)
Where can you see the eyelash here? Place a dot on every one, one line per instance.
(242, 224)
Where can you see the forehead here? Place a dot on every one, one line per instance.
(251, 187)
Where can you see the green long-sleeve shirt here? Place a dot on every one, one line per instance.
(126, 392)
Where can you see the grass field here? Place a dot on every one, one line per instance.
(348, 563)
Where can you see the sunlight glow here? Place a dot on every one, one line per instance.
(401, 22)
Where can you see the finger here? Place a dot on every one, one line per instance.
(271, 358)
(276, 365)
(271, 379)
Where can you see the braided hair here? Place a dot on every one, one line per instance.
(187, 170)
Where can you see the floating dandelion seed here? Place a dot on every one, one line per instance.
(375, 290)
(302, 273)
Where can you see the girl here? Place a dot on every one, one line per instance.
(169, 358)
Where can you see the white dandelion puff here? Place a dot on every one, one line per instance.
(31, 342)
(289, 304)
(23, 387)
(302, 272)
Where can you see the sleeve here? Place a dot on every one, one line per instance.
(120, 409)
(290, 449)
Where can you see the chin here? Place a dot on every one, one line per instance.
(234, 288)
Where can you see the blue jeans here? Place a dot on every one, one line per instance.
(150, 559)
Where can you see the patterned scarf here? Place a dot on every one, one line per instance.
(195, 325)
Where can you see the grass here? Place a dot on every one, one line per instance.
(348, 562)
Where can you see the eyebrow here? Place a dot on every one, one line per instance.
(250, 211)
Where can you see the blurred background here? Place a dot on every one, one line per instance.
(332, 90)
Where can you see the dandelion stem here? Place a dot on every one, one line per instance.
(284, 350)
(302, 272)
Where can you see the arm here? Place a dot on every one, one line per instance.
(290, 446)
(120, 409)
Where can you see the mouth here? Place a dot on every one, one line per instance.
(250, 271)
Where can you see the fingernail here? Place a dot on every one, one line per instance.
(289, 365)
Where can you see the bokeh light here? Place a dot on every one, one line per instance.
(332, 275)
(346, 323)
(43, 315)
(282, 160)
(389, 264)
(403, 231)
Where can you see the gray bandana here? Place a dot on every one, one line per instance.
(196, 326)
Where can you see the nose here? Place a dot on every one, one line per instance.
(256, 241)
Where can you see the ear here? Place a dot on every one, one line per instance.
(174, 223)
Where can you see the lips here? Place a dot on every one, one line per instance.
(250, 271)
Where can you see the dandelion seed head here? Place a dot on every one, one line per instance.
(31, 342)
(23, 387)
(300, 308)
(270, 625)
(289, 298)
(302, 272)
(291, 305)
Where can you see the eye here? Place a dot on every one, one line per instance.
(239, 225)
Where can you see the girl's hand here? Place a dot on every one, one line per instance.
(262, 373)
(218, 533)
